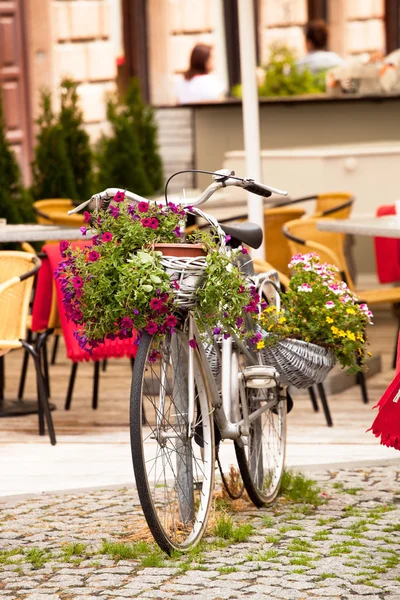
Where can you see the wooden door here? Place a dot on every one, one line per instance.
(14, 81)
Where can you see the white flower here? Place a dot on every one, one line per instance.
(304, 287)
(229, 267)
(330, 304)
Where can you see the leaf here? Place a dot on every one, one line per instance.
(155, 279)
(145, 257)
(147, 288)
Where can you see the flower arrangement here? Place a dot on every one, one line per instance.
(117, 286)
(320, 309)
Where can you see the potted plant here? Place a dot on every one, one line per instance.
(320, 321)
(125, 282)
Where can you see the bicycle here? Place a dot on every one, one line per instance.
(203, 390)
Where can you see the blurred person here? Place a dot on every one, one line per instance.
(198, 83)
(317, 57)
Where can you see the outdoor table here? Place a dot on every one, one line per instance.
(387, 226)
(31, 233)
(38, 233)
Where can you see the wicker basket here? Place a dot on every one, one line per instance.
(299, 363)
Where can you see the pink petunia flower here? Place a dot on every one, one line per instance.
(171, 321)
(193, 343)
(107, 236)
(119, 197)
(143, 207)
(151, 327)
(87, 216)
(156, 304)
(94, 256)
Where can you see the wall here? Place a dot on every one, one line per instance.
(174, 28)
(74, 38)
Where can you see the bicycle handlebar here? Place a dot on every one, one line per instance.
(223, 178)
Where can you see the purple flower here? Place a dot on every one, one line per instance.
(146, 222)
(111, 336)
(114, 211)
(143, 207)
(171, 321)
(126, 323)
(156, 304)
(83, 230)
(93, 256)
(64, 245)
(239, 321)
(193, 343)
(244, 250)
(87, 216)
(175, 285)
(119, 197)
(228, 238)
(241, 289)
(151, 327)
(227, 336)
(131, 210)
(173, 207)
(216, 330)
(107, 236)
(177, 231)
(153, 356)
(135, 311)
(77, 282)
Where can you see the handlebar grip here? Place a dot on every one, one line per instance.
(257, 188)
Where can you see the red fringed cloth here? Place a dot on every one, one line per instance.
(387, 252)
(41, 311)
(387, 423)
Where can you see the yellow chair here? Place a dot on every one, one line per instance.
(331, 204)
(277, 249)
(16, 279)
(54, 211)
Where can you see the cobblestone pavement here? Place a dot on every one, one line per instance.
(58, 547)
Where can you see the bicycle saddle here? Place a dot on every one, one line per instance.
(246, 233)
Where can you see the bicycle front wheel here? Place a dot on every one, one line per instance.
(173, 453)
(261, 454)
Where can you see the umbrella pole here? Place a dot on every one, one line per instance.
(250, 111)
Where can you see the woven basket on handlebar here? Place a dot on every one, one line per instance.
(185, 264)
(299, 363)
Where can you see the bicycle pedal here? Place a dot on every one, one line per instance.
(260, 377)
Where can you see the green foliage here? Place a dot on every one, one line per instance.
(15, 201)
(298, 488)
(37, 557)
(123, 551)
(76, 140)
(284, 78)
(318, 308)
(226, 529)
(52, 172)
(129, 158)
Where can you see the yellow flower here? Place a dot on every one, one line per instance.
(341, 333)
(360, 337)
(351, 311)
(260, 345)
(369, 353)
(351, 335)
(334, 330)
(329, 320)
(281, 320)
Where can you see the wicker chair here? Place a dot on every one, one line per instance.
(53, 211)
(277, 249)
(16, 278)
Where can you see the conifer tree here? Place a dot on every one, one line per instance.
(76, 139)
(52, 173)
(143, 117)
(119, 158)
(15, 201)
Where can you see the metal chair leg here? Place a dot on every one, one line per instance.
(68, 399)
(41, 347)
(395, 345)
(361, 380)
(96, 378)
(324, 403)
(54, 351)
(104, 365)
(42, 397)
(24, 367)
(313, 398)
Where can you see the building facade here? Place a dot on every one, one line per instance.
(99, 43)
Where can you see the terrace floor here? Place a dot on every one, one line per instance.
(93, 447)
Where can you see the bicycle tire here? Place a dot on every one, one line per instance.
(174, 473)
(261, 461)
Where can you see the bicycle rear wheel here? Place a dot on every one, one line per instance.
(261, 458)
(174, 468)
